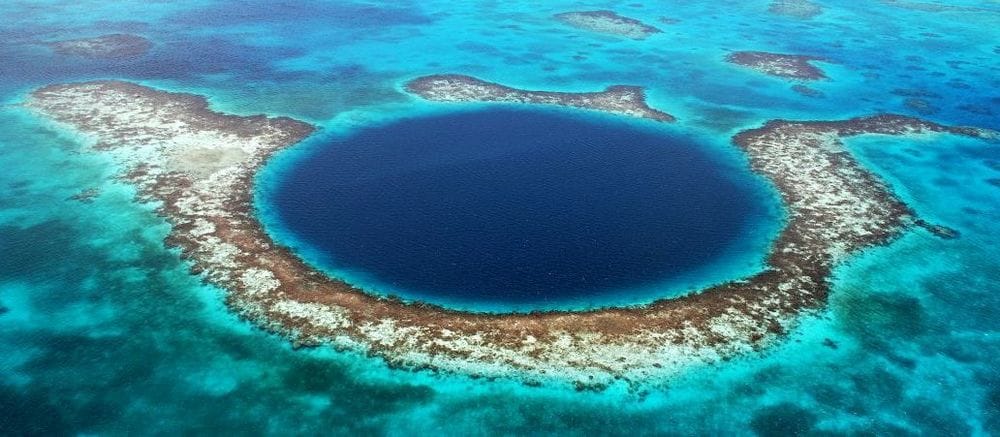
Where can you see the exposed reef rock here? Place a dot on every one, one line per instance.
(118, 45)
(198, 165)
(774, 64)
(800, 9)
(607, 22)
(618, 99)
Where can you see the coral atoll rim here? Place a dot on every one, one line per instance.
(198, 165)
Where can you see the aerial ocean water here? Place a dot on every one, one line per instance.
(498, 209)
(104, 330)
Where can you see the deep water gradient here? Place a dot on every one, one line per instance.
(514, 206)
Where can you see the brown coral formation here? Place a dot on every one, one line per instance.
(607, 22)
(618, 99)
(86, 196)
(921, 106)
(780, 65)
(808, 92)
(114, 46)
(199, 166)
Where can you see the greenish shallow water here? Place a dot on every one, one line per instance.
(105, 331)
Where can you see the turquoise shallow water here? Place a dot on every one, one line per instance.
(105, 332)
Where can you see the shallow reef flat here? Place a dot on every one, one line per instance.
(118, 45)
(800, 9)
(617, 99)
(199, 165)
(607, 22)
(779, 65)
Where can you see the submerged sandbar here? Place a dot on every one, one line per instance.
(117, 45)
(198, 165)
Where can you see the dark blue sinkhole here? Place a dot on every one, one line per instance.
(514, 207)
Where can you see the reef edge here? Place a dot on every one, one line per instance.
(198, 165)
(616, 99)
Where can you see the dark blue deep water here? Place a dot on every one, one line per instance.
(506, 205)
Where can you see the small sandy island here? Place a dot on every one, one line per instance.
(607, 22)
(618, 99)
(198, 165)
(114, 46)
(774, 64)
